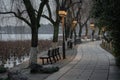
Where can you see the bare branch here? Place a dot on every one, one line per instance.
(86, 21)
(8, 13)
(30, 11)
(49, 10)
(48, 18)
(21, 18)
(40, 11)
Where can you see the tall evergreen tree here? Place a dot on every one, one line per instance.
(106, 12)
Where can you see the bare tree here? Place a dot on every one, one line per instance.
(26, 11)
(85, 14)
(52, 10)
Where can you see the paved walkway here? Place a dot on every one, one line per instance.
(91, 63)
(70, 54)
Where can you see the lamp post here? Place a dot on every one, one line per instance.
(92, 26)
(103, 32)
(62, 14)
(74, 22)
(103, 29)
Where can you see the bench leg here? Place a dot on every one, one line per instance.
(59, 56)
(43, 61)
(54, 59)
(50, 60)
(47, 60)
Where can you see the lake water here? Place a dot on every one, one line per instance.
(12, 61)
(6, 37)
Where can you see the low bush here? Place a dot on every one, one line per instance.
(2, 69)
(4, 79)
(118, 61)
(36, 68)
(50, 70)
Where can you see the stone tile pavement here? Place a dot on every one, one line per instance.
(90, 63)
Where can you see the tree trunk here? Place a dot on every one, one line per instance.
(93, 32)
(86, 28)
(67, 35)
(98, 38)
(75, 35)
(55, 35)
(34, 46)
(80, 31)
(99, 31)
(66, 32)
(71, 34)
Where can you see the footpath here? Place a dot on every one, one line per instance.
(87, 61)
(90, 63)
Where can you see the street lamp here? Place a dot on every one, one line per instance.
(103, 32)
(92, 26)
(74, 22)
(103, 29)
(62, 14)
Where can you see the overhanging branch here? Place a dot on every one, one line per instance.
(49, 10)
(48, 18)
(19, 17)
(40, 10)
(86, 21)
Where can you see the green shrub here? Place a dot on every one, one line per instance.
(1, 78)
(4, 79)
(45, 70)
(118, 61)
(50, 69)
(2, 69)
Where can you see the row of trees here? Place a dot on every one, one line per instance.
(31, 12)
(106, 14)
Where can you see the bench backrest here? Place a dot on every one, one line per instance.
(53, 52)
(49, 53)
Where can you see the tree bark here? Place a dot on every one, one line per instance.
(99, 34)
(71, 34)
(93, 32)
(86, 28)
(34, 46)
(80, 31)
(75, 35)
(67, 31)
(55, 35)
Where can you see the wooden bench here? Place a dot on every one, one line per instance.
(52, 55)
(57, 54)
